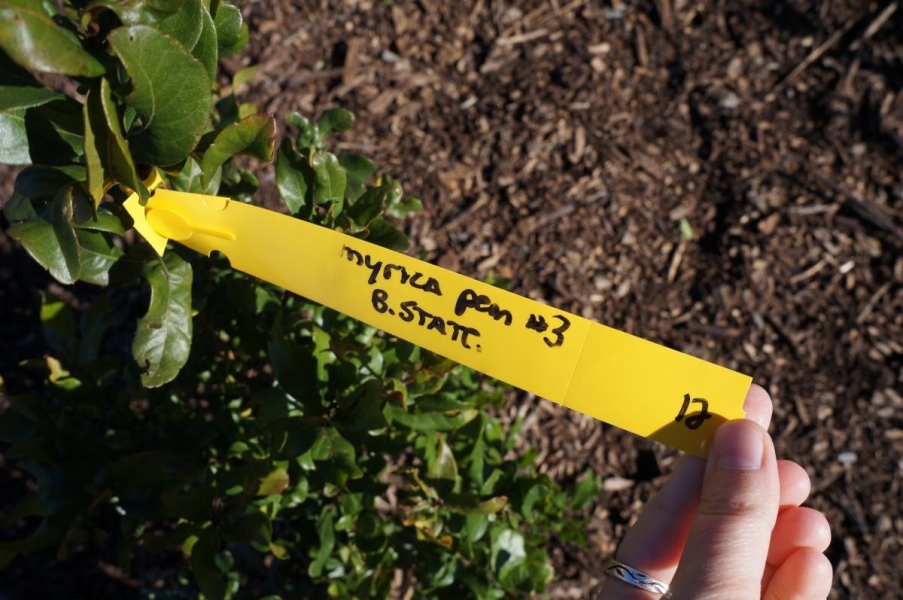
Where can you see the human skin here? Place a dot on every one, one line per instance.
(731, 527)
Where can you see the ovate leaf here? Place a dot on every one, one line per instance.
(163, 338)
(385, 234)
(330, 180)
(292, 180)
(252, 136)
(442, 465)
(171, 93)
(274, 483)
(49, 237)
(335, 120)
(34, 41)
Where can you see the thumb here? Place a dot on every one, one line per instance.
(728, 541)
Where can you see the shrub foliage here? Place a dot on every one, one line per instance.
(257, 443)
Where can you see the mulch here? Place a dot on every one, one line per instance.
(719, 177)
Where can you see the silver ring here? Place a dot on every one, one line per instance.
(635, 578)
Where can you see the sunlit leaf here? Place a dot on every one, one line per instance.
(31, 39)
(252, 136)
(326, 533)
(170, 92)
(228, 25)
(443, 465)
(292, 180)
(163, 337)
(274, 483)
(335, 120)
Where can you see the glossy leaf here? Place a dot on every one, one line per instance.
(106, 154)
(335, 120)
(190, 177)
(291, 180)
(49, 134)
(163, 337)
(442, 465)
(171, 93)
(49, 236)
(252, 136)
(274, 483)
(326, 533)
(358, 170)
(34, 41)
(330, 180)
(383, 233)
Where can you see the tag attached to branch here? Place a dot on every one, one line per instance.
(634, 384)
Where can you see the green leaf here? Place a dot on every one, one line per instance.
(291, 180)
(171, 93)
(335, 120)
(97, 256)
(383, 233)
(338, 453)
(184, 25)
(358, 170)
(326, 533)
(252, 136)
(50, 238)
(330, 180)
(106, 154)
(210, 579)
(49, 134)
(295, 368)
(274, 483)
(163, 339)
(507, 551)
(206, 49)
(34, 41)
(369, 206)
(431, 421)
(363, 407)
(40, 183)
(18, 89)
(442, 465)
(228, 25)
(190, 177)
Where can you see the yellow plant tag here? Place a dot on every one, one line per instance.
(632, 383)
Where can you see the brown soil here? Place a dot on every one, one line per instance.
(567, 145)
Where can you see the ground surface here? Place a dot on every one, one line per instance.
(723, 178)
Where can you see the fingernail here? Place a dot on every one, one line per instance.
(738, 445)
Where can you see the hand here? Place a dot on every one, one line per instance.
(731, 527)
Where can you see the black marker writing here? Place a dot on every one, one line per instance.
(410, 312)
(694, 421)
(539, 324)
(481, 303)
(380, 271)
